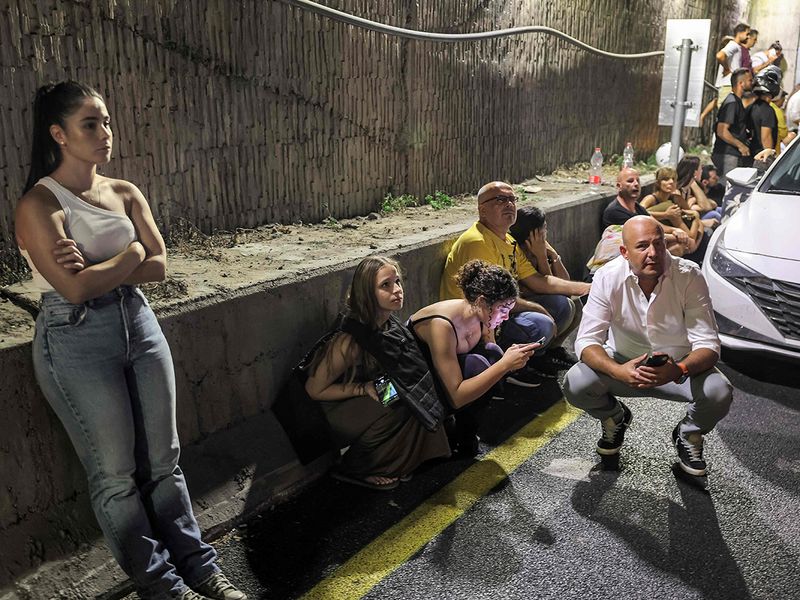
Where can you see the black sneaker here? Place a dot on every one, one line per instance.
(466, 447)
(526, 378)
(543, 367)
(614, 433)
(560, 358)
(462, 436)
(498, 391)
(689, 453)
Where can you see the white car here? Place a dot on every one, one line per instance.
(752, 264)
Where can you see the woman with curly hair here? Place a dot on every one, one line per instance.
(455, 334)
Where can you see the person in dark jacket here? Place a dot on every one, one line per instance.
(386, 441)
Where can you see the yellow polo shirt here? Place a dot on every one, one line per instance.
(478, 242)
(783, 130)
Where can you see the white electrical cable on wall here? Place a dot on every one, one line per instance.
(454, 37)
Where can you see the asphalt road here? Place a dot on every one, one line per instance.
(537, 515)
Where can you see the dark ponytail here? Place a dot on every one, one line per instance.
(52, 105)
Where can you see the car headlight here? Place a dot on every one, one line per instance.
(727, 266)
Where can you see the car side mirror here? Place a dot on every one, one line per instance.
(744, 176)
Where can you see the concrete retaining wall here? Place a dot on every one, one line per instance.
(231, 358)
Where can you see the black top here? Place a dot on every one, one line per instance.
(731, 112)
(397, 351)
(616, 214)
(716, 193)
(760, 114)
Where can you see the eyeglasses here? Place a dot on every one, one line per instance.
(501, 200)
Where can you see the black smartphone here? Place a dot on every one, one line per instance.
(387, 393)
(655, 360)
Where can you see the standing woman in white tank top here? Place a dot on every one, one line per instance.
(99, 354)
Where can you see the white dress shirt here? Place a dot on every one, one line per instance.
(677, 318)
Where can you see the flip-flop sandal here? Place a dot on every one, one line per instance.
(363, 483)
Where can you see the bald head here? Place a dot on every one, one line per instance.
(627, 172)
(640, 225)
(628, 186)
(497, 207)
(494, 189)
(643, 247)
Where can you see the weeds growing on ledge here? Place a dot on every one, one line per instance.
(439, 200)
(397, 203)
(331, 223)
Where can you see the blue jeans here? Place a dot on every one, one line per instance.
(565, 311)
(106, 370)
(527, 327)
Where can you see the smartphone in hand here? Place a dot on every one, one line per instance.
(387, 393)
(655, 360)
(530, 345)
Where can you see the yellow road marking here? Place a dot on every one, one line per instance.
(400, 542)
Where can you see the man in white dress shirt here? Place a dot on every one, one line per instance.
(647, 302)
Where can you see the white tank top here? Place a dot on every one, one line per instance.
(100, 234)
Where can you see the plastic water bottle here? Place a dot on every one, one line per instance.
(596, 169)
(627, 156)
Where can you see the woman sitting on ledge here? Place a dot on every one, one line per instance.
(664, 205)
(459, 337)
(386, 441)
(692, 196)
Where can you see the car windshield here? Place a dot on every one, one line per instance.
(785, 177)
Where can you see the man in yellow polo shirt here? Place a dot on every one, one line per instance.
(489, 239)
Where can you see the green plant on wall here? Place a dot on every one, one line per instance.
(439, 200)
(397, 203)
(331, 223)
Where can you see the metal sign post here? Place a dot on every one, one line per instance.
(680, 103)
(683, 77)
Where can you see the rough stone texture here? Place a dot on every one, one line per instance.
(232, 114)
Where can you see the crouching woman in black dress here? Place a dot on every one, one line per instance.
(386, 441)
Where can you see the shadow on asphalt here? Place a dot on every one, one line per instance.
(758, 374)
(294, 545)
(688, 544)
(761, 429)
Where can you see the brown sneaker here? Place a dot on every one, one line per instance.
(217, 587)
